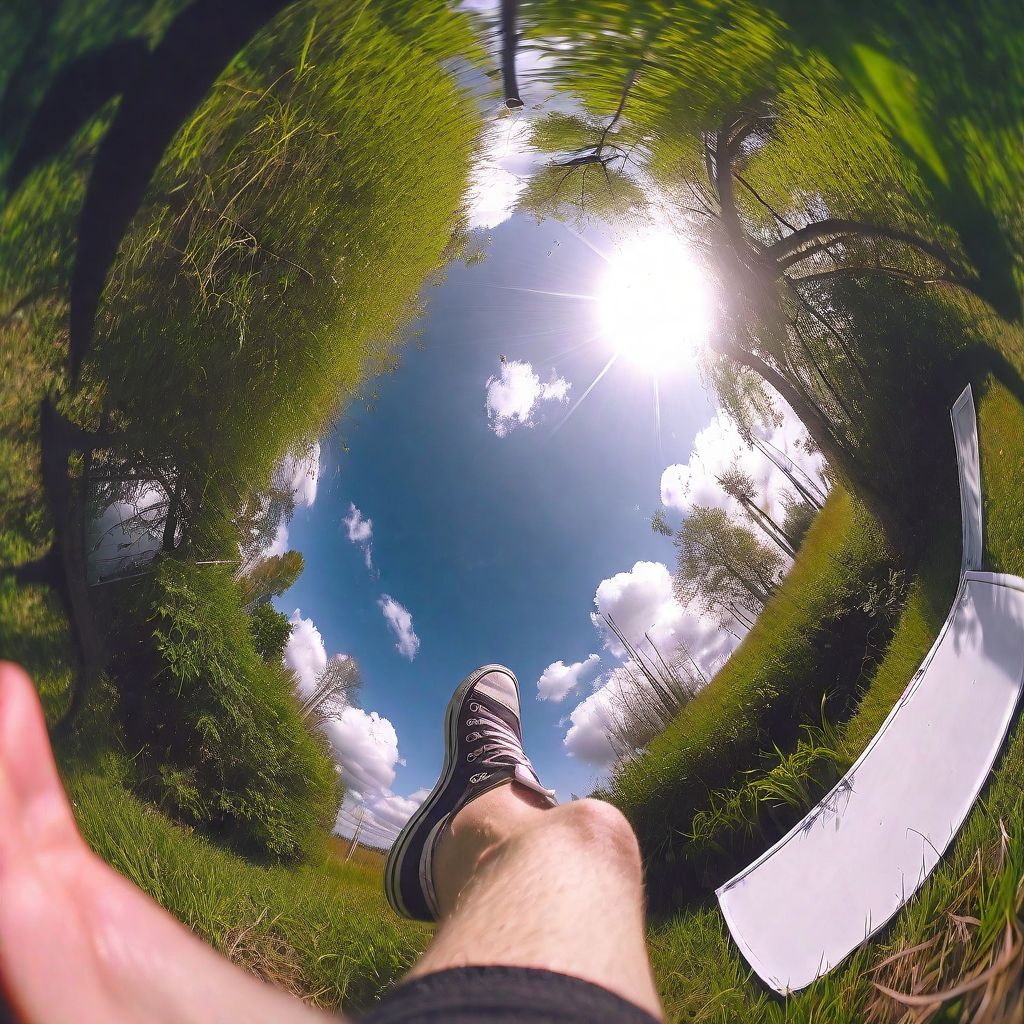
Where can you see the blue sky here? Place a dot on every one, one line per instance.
(494, 544)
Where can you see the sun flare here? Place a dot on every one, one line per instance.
(655, 303)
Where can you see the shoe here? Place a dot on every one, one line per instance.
(483, 749)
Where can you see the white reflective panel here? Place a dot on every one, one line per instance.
(843, 872)
(965, 435)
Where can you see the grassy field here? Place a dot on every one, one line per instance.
(323, 932)
(964, 920)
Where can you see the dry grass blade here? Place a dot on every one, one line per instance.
(1011, 953)
(903, 953)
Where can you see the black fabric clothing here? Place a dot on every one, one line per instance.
(503, 995)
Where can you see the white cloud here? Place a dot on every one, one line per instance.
(513, 396)
(501, 172)
(365, 745)
(558, 679)
(360, 532)
(644, 607)
(305, 653)
(381, 817)
(718, 446)
(641, 602)
(300, 474)
(400, 622)
(587, 738)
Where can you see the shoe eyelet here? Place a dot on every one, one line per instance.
(471, 756)
(473, 736)
(474, 706)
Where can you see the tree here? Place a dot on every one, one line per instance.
(798, 514)
(806, 210)
(724, 566)
(335, 689)
(270, 631)
(270, 577)
(740, 486)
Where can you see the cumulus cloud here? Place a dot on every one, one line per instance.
(365, 745)
(718, 446)
(304, 652)
(399, 621)
(588, 737)
(500, 172)
(366, 748)
(514, 395)
(643, 606)
(279, 544)
(360, 532)
(559, 679)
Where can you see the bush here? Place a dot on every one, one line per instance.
(222, 746)
(270, 631)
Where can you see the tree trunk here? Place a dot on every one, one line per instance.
(509, 45)
(843, 462)
(171, 521)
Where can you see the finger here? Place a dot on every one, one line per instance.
(26, 761)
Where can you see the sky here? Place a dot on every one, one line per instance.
(481, 512)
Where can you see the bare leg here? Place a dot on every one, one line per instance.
(526, 885)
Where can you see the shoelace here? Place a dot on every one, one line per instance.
(501, 739)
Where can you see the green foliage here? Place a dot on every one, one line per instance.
(270, 577)
(270, 631)
(223, 745)
(1001, 432)
(798, 514)
(790, 784)
(700, 973)
(724, 564)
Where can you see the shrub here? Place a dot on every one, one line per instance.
(270, 631)
(222, 745)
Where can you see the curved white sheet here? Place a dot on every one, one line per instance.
(968, 460)
(854, 861)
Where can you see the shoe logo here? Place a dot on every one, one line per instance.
(479, 777)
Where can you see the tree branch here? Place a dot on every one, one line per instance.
(808, 240)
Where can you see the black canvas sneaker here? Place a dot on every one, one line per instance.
(483, 749)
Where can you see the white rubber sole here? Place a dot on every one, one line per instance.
(392, 869)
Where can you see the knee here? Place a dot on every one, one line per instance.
(604, 830)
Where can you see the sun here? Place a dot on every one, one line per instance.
(654, 302)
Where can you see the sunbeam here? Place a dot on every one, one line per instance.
(579, 401)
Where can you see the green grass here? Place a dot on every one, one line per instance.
(811, 639)
(701, 975)
(323, 932)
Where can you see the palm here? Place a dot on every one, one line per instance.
(78, 943)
